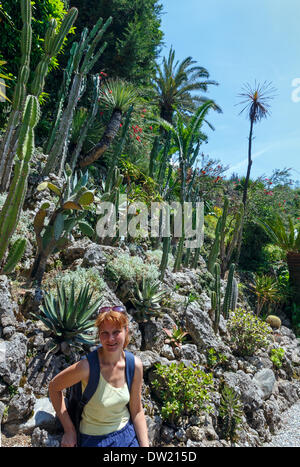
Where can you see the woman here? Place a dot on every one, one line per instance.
(106, 420)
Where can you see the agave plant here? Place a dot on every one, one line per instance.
(68, 316)
(147, 300)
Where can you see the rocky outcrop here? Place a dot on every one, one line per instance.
(264, 390)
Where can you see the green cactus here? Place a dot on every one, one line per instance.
(19, 94)
(15, 254)
(165, 257)
(53, 42)
(88, 121)
(228, 293)
(10, 212)
(234, 295)
(217, 298)
(73, 199)
(224, 247)
(84, 59)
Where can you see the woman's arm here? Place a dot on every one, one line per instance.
(135, 404)
(66, 378)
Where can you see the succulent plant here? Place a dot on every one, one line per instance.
(147, 300)
(68, 317)
(72, 201)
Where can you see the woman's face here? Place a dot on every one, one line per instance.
(112, 336)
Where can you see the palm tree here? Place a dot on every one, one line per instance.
(257, 107)
(174, 83)
(289, 241)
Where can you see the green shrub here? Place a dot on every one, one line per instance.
(130, 268)
(248, 333)
(184, 391)
(155, 256)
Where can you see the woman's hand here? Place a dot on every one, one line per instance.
(69, 439)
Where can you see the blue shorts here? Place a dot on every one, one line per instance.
(126, 437)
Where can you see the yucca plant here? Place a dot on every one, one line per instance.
(147, 300)
(68, 317)
(266, 290)
(288, 239)
(116, 96)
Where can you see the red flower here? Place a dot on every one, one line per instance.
(150, 127)
(110, 92)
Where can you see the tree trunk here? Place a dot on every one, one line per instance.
(245, 192)
(38, 268)
(106, 140)
(249, 164)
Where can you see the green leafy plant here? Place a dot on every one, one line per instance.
(68, 317)
(214, 358)
(184, 391)
(248, 333)
(230, 412)
(277, 356)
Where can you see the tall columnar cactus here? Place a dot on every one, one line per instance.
(234, 295)
(62, 93)
(223, 247)
(228, 294)
(83, 61)
(52, 44)
(88, 121)
(217, 296)
(20, 89)
(165, 256)
(10, 212)
(69, 212)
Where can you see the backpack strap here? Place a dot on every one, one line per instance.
(93, 378)
(129, 368)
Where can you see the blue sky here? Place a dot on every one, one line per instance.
(238, 42)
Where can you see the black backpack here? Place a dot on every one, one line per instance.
(75, 400)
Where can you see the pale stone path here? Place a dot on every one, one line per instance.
(289, 433)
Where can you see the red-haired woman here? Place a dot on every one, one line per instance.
(106, 420)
